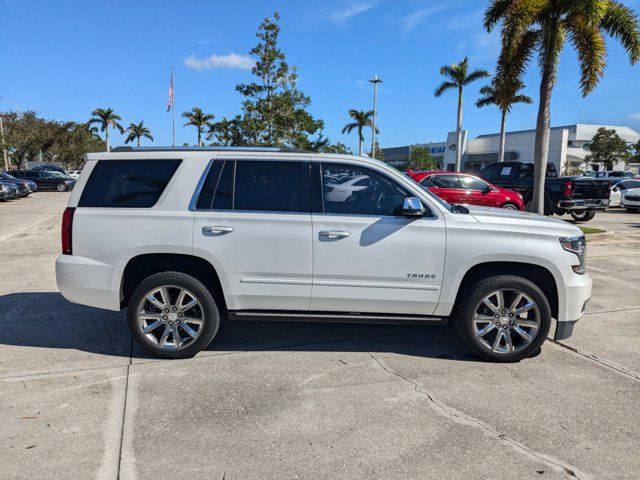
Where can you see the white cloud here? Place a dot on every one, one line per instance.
(635, 116)
(410, 22)
(232, 60)
(339, 16)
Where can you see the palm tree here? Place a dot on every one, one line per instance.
(503, 97)
(198, 119)
(137, 131)
(542, 27)
(459, 77)
(361, 119)
(105, 117)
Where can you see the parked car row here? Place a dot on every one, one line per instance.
(21, 183)
(509, 185)
(12, 187)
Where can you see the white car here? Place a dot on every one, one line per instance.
(342, 190)
(74, 173)
(619, 188)
(631, 200)
(185, 239)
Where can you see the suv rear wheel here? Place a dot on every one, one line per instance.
(504, 318)
(173, 315)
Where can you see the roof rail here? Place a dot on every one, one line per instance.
(127, 148)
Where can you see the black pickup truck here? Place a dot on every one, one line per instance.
(579, 196)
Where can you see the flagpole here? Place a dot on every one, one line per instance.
(173, 111)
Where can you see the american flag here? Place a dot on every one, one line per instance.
(170, 102)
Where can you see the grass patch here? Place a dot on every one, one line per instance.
(590, 230)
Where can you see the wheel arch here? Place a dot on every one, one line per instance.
(538, 274)
(141, 266)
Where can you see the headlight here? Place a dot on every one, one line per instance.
(3, 188)
(577, 245)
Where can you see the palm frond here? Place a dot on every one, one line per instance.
(476, 75)
(495, 12)
(621, 23)
(589, 43)
(443, 87)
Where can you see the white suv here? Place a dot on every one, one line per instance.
(186, 238)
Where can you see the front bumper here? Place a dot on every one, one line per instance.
(577, 293)
(626, 202)
(587, 204)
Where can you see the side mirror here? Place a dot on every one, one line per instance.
(487, 189)
(412, 207)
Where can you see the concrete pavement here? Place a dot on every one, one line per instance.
(282, 400)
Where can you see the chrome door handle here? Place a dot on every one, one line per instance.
(216, 229)
(334, 234)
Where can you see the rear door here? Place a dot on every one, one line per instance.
(369, 259)
(253, 221)
(447, 187)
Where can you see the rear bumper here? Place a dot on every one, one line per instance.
(586, 204)
(87, 282)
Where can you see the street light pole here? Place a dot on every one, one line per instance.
(375, 80)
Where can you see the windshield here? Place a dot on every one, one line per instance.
(6, 176)
(53, 173)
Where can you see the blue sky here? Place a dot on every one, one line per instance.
(63, 58)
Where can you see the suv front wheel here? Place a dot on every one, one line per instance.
(173, 315)
(503, 319)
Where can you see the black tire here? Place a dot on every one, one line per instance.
(210, 311)
(61, 187)
(583, 215)
(473, 294)
(510, 206)
(529, 207)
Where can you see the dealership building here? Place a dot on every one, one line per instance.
(568, 147)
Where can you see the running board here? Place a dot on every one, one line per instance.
(336, 317)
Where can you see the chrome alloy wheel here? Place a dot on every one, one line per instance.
(506, 321)
(170, 317)
(510, 206)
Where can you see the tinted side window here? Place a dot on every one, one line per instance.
(223, 199)
(205, 197)
(445, 181)
(366, 192)
(127, 183)
(272, 186)
(472, 183)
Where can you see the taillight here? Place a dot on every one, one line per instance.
(566, 189)
(67, 227)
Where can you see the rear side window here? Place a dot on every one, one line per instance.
(127, 183)
(272, 186)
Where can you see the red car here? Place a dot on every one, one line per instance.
(462, 188)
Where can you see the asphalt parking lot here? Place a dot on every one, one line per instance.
(309, 401)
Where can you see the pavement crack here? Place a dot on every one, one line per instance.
(464, 419)
(124, 410)
(601, 361)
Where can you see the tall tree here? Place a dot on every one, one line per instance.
(137, 131)
(361, 119)
(274, 111)
(197, 118)
(542, 27)
(607, 148)
(421, 159)
(105, 118)
(503, 96)
(458, 76)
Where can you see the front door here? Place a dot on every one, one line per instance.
(253, 223)
(368, 258)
